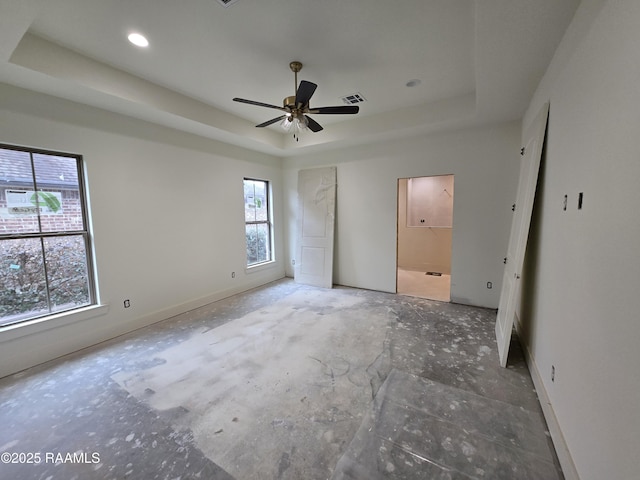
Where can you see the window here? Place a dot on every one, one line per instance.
(257, 219)
(44, 240)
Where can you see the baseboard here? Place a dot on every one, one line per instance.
(562, 451)
(166, 313)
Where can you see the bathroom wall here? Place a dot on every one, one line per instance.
(425, 248)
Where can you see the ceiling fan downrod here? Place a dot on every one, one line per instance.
(295, 68)
(290, 102)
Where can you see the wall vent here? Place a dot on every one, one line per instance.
(227, 3)
(353, 98)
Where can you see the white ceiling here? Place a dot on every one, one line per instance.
(478, 61)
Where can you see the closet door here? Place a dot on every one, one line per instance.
(511, 280)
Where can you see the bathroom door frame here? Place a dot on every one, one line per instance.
(398, 200)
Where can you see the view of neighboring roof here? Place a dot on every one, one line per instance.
(51, 170)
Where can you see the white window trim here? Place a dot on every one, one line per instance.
(258, 267)
(48, 322)
(90, 260)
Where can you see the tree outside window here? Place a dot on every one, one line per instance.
(257, 221)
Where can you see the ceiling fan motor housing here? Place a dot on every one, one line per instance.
(289, 102)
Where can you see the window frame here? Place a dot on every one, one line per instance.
(41, 235)
(268, 222)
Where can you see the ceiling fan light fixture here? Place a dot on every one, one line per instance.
(286, 123)
(295, 124)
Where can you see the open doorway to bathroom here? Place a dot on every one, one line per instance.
(425, 227)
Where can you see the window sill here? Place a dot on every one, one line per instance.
(260, 267)
(38, 325)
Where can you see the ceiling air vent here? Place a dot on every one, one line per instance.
(353, 98)
(227, 3)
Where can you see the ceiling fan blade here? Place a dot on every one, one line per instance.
(339, 110)
(304, 93)
(313, 125)
(273, 120)
(259, 104)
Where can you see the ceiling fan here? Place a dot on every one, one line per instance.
(297, 107)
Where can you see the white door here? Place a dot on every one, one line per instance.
(316, 213)
(529, 166)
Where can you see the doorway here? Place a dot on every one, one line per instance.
(425, 227)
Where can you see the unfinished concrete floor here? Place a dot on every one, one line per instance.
(285, 382)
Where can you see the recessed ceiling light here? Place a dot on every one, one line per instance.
(413, 83)
(138, 40)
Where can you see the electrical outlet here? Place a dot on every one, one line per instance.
(489, 285)
(293, 261)
(127, 303)
(233, 274)
(553, 373)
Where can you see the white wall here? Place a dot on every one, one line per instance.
(485, 164)
(167, 212)
(581, 307)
